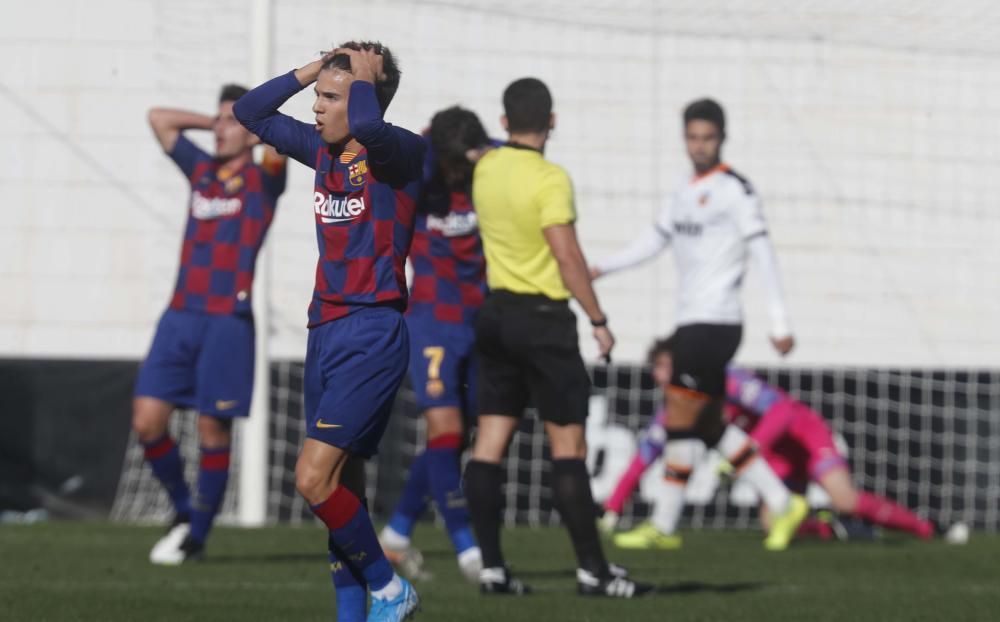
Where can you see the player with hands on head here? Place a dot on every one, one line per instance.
(449, 286)
(367, 183)
(202, 356)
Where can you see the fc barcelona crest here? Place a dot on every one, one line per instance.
(234, 184)
(357, 171)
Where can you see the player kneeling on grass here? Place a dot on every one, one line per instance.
(202, 356)
(794, 439)
(449, 285)
(367, 181)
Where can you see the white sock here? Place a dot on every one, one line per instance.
(391, 590)
(392, 539)
(756, 471)
(470, 556)
(668, 507)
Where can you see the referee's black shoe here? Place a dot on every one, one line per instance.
(498, 581)
(615, 584)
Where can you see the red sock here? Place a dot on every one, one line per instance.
(881, 511)
(626, 486)
(814, 527)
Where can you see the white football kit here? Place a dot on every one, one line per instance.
(714, 222)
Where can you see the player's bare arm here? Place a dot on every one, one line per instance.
(783, 345)
(168, 123)
(573, 268)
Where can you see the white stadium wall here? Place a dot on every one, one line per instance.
(870, 130)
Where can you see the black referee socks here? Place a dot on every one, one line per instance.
(573, 499)
(483, 481)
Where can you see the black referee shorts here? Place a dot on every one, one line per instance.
(701, 354)
(527, 348)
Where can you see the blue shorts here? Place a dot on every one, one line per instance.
(354, 366)
(201, 361)
(442, 363)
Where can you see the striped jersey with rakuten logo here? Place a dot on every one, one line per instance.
(449, 269)
(363, 203)
(228, 217)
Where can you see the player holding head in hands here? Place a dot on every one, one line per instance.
(715, 222)
(202, 356)
(367, 181)
(449, 284)
(526, 340)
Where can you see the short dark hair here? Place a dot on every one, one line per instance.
(385, 89)
(660, 346)
(454, 131)
(528, 105)
(706, 110)
(232, 92)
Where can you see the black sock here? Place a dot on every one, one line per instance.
(572, 497)
(483, 481)
(710, 423)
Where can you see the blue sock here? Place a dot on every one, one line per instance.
(352, 593)
(213, 474)
(446, 487)
(165, 460)
(413, 501)
(353, 535)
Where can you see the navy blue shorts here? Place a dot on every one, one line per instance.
(354, 366)
(442, 363)
(201, 361)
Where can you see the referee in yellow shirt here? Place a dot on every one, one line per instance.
(527, 344)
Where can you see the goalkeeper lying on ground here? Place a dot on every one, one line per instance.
(794, 439)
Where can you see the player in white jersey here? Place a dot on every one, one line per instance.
(714, 222)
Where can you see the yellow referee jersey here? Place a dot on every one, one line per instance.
(517, 193)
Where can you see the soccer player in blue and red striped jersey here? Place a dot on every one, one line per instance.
(202, 356)
(368, 178)
(449, 286)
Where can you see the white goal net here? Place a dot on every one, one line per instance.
(868, 128)
(930, 440)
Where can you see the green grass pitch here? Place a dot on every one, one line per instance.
(93, 571)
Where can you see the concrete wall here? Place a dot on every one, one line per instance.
(874, 149)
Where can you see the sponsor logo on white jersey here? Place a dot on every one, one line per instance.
(454, 224)
(688, 228)
(207, 208)
(331, 210)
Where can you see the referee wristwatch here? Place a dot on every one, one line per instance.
(599, 323)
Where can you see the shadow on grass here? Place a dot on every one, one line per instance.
(266, 558)
(697, 587)
(437, 553)
(550, 573)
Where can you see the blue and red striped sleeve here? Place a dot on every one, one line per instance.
(396, 155)
(258, 112)
(187, 156)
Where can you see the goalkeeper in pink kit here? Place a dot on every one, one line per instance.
(794, 439)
